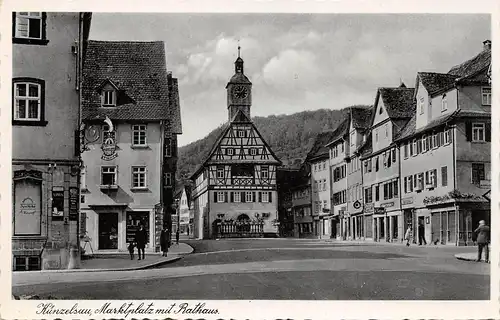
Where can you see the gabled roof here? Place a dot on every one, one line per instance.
(410, 129)
(361, 116)
(226, 127)
(139, 70)
(324, 139)
(472, 66)
(435, 82)
(398, 102)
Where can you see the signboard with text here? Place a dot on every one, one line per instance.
(73, 204)
(27, 208)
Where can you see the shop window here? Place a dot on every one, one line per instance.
(27, 263)
(57, 203)
(134, 220)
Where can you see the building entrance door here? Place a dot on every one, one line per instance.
(108, 231)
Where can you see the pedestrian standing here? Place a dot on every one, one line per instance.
(131, 247)
(164, 238)
(421, 234)
(483, 239)
(408, 236)
(177, 236)
(140, 240)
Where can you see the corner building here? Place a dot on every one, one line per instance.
(445, 152)
(47, 54)
(235, 193)
(132, 118)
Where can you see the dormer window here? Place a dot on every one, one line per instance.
(108, 98)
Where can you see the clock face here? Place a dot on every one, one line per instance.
(240, 92)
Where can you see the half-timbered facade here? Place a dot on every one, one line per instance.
(235, 188)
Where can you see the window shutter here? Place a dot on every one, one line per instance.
(468, 130)
(225, 197)
(260, 196)
(243, 199)
(232, 196)
(215, 196)
(427, 175)
(435, 178)
(395, 188)
(488, 132)
(270, 196)
(444, 176)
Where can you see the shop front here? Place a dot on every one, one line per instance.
(112, 228)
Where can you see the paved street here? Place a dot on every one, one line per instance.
(280, 269)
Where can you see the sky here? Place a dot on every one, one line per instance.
(296, 62)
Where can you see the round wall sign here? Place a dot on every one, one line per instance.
(356, 205)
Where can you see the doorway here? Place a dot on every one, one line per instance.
(108, 231)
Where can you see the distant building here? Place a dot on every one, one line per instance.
(302, 204)
(287, 178)
(445, 152)
(132, 118)
(181, 220)
(235, 192)
(47, 52)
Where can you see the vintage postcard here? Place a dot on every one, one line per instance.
(254, 160)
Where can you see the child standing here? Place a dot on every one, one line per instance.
(131, 250)
(408, 235)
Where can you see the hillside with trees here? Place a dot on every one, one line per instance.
(290, 137)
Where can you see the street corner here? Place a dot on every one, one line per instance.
(181, 249)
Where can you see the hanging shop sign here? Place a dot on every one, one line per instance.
(356, 205)
(109, 147)
(73, 204)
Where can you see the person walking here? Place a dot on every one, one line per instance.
(408, 235)
(141, 239)
(421, 234)
(177, 236)
(483, 239)
(164, 239)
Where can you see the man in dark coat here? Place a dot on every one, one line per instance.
(483, 239)
(164, 239)
(421, 234)
(141, 238)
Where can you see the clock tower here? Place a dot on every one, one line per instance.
(239, 91)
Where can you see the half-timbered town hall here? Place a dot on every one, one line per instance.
(235, 187)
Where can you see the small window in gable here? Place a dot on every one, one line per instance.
(444, 103)
(108, 98)
(380, 110)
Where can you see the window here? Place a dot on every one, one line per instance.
(478, 173)
(486, 96)
(478, 132)
(139, 135)
(377, 193)
(230, 151)
(138, 177)
(335, 151)
(30, 28)
(368, 195)
(444, 176)
(220, 172)
(265, 172)
(26, 263)
(421, 105)
(410, 145)
(444, 103)
(376, 134)
(28, 100)
(237, 197)
(83, 178)
(376, 163)
(395, 188)
(415, 149)
(405, 147)
(420, 181)
(386, 130)
(168, 147)
(108, 98)
(447, 136)
(253, 151)
(424, 143)
(440, 139)
(220, 196)
(388, 191)
(408, 184)
(419, 146)
(249, 196)
(324, 165)
(434, 141)
(168, 179)
(265, 197)
(324, 204)
(108, 176)
(393, 155)
(241, 133)
(433, 178)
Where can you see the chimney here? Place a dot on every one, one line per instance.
(487, 45)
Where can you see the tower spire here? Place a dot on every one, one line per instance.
(239, 48)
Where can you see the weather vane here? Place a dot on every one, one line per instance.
(239, 48)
